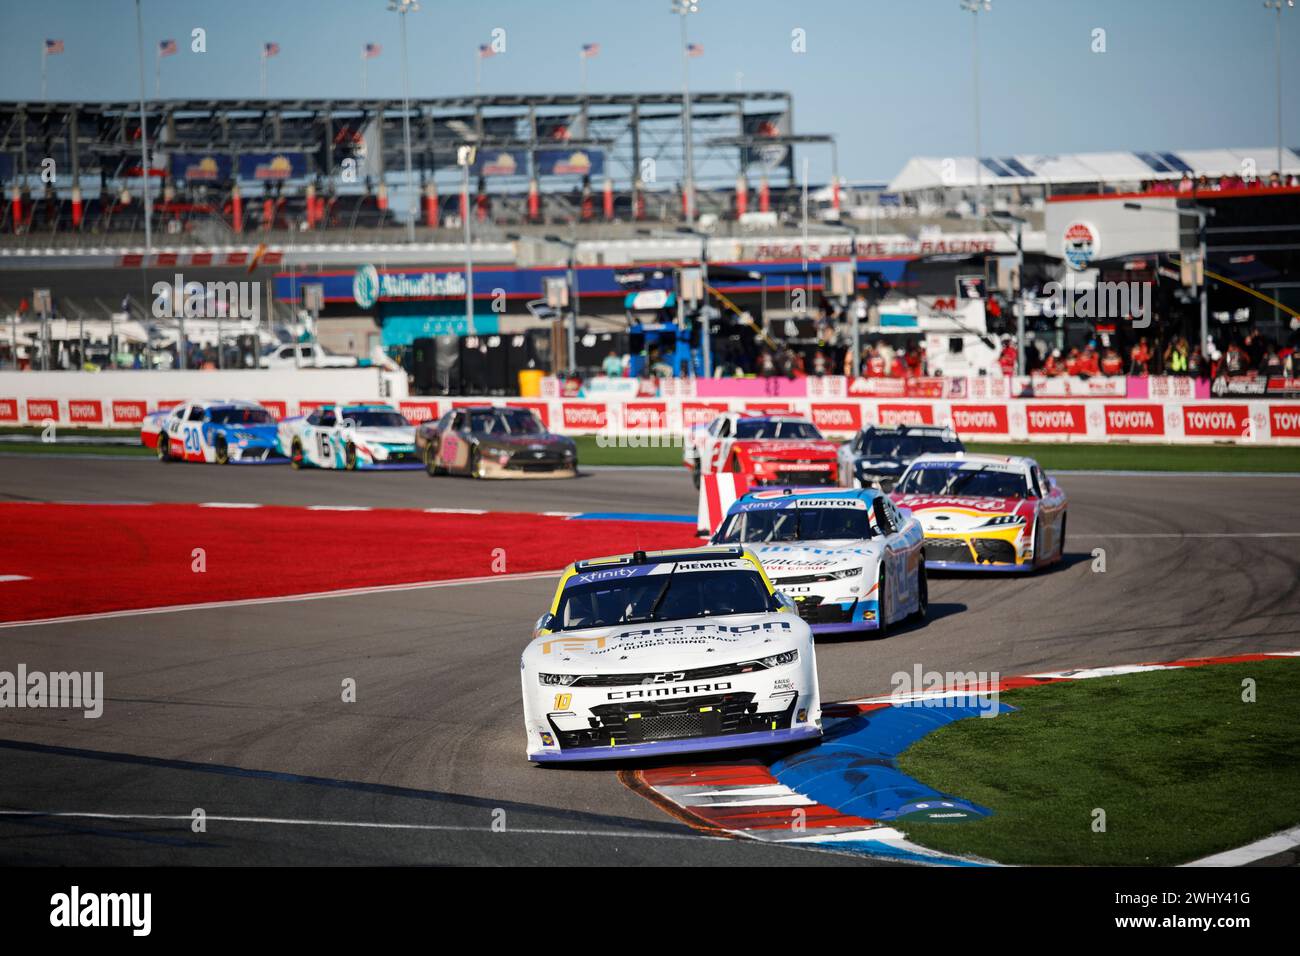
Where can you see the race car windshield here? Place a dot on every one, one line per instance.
(240, 416)
(776, 429)
(662, 597)
(514, 421)
(908, 446)
(368, 419)
(966, 482)
(796, 524)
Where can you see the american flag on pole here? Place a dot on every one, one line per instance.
(53, 46)
(270, 49)
(590, 49)
(694, 49)
(166, 47)
(371, 50)
(485, 50)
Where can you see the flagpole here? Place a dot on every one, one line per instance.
(157, 76)
(44, 57)
(263, 73)
(478, 72)
(363, 73)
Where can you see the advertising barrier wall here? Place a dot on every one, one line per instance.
(121, 400)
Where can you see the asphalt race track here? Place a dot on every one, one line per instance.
(237, 710)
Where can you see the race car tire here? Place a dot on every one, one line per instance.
(882, 609)
(695, 473)
(431, 461)
(221, 452)
(350, 457)
(164, 447)
(923, 595)
(1060, 547)
(476, 464)
(296, 459)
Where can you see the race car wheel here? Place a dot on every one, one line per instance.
(295, 455)
(1060, 546)
(476, 464)
(695, 474)
(221, 452)
(350, 457)
(882, 609)
(163, 449)
(431, 460)
(923, 594)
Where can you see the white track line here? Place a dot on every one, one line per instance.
(285, 598)
(1193, 534)
(1269, 846)
(357, 824)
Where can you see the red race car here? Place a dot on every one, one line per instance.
(775, 449)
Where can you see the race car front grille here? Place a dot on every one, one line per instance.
(796, 477)
(402, 457)
(994, 550)
(831, 613)
(662, 677)
(715, 715)
(946, 549)
(802, 579)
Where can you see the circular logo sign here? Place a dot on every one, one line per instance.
(365, 286)
(1081, 244)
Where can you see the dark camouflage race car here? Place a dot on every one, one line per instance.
(491, 442)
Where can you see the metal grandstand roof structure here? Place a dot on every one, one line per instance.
(634, 133)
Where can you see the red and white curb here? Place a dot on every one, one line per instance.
(742, 799)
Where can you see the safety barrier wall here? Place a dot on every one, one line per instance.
(122, 400)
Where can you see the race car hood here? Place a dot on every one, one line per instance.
(251, 434)
(524, 441)
(385, 435)
(794, 559)
(880, 465)
(667, 645)
(787, 448)
(951, 514)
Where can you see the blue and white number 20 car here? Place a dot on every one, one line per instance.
(851, 560)
(667, 652)
(217, 431)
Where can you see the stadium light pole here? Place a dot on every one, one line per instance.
(575, 297)
(974, 7)
(683, 8)
(1019, 304)
(706, 332)
(402, 8)
(1202, 213)
(144, 138)
(855, 324)
(1276, 7)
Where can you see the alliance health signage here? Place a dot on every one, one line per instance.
(369, 285)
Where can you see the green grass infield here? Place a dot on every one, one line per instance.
(1179, 763)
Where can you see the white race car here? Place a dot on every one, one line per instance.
(850, 560)
(351, 437)
(667, 652)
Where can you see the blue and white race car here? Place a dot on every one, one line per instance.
(350, 437)
(851, 560)
(218, 431)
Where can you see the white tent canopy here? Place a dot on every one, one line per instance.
(929, 172)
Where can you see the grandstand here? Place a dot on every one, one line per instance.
(238, 167)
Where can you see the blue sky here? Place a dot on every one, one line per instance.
(890, 78)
